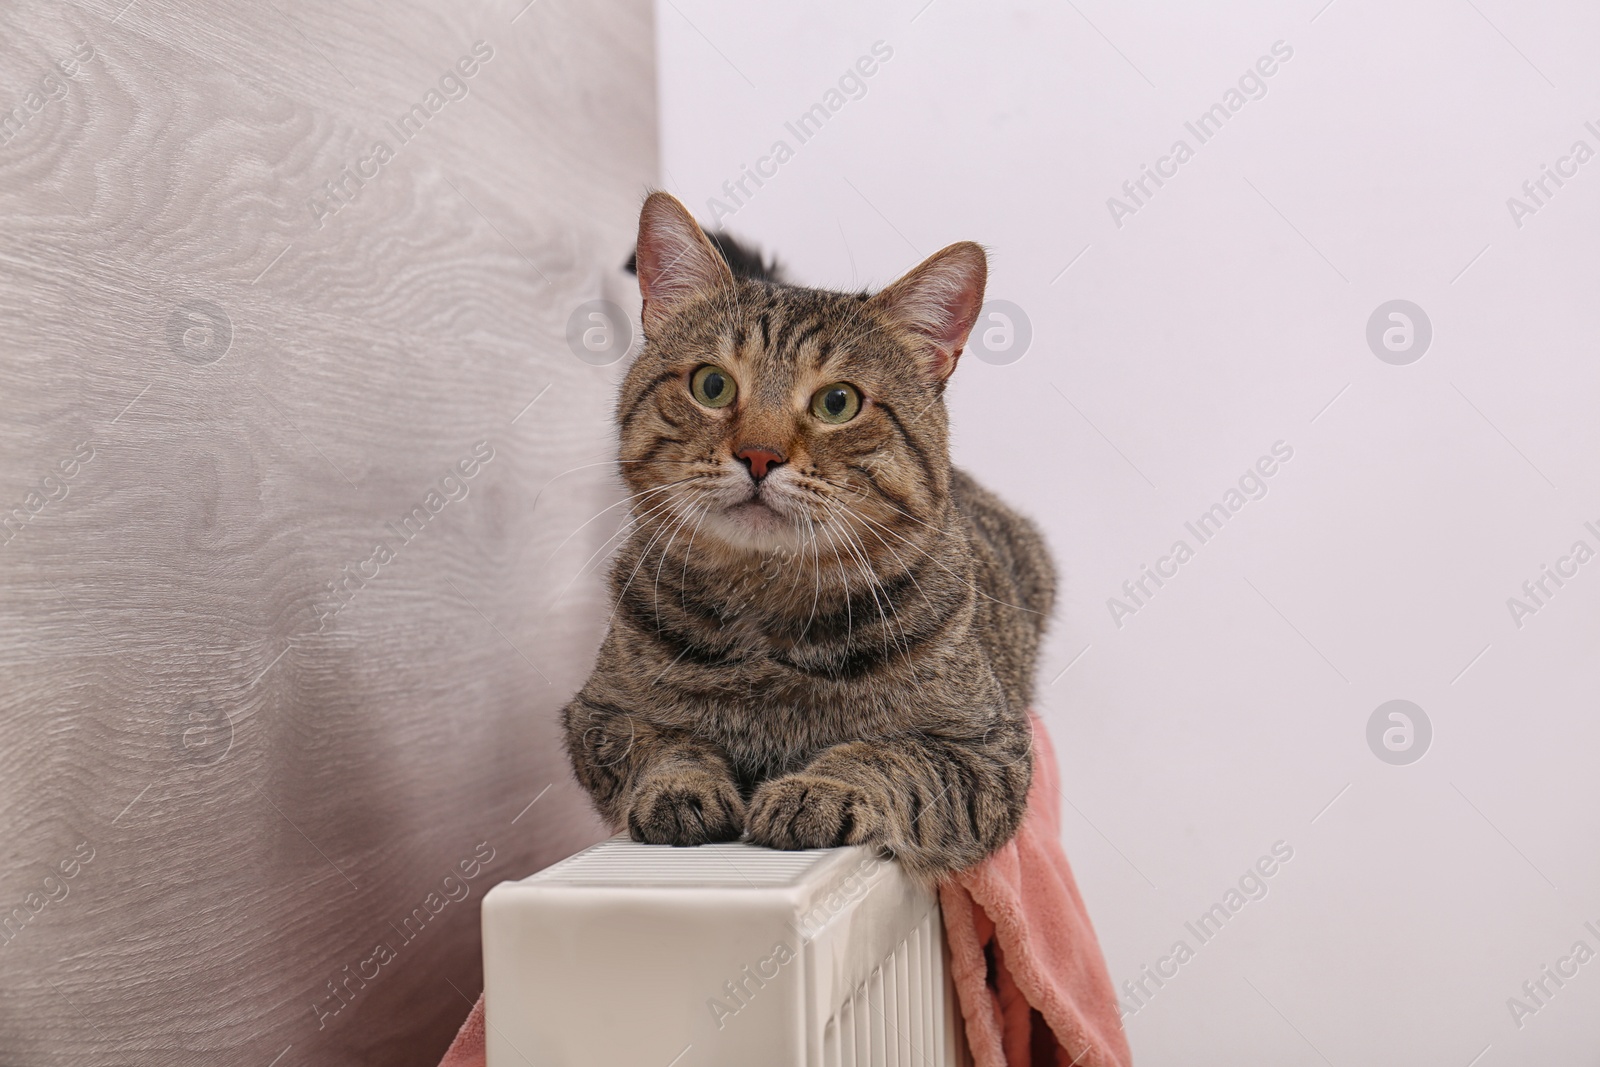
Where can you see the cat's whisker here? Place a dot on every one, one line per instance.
(621, 537)
(796, 558)
(849, 614)
(665, 552)
(572, 470)
(963, 579)
(673, 506)
(874, 583)
(866, 573)
(816, 577)
(862, 563)
(688, 554)
(656, 680)
(852, 490)
(897, 557)
(630, 498)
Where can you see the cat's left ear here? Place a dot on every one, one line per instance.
(938, 302)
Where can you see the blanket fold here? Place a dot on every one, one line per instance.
(1032, 984)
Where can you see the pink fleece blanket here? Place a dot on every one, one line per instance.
(1032, 983)
(1028, 972)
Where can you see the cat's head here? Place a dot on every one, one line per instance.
(761, 414)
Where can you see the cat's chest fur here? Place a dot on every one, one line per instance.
(775, 668)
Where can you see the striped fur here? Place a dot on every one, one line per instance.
(850, 661)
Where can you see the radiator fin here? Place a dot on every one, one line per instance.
(897, 1017)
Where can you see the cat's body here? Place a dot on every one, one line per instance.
(823, 633)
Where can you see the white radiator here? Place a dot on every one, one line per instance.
(630, 955)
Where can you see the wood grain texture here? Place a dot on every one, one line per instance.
(251, 392)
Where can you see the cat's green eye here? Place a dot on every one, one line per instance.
(713, 386)
(836, 403)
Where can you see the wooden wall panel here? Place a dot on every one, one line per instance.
(223, 788)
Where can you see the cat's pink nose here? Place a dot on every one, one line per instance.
(760, 459)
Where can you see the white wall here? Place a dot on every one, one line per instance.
(1225, 315)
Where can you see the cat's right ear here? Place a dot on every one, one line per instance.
(676, 262)
(938, 303)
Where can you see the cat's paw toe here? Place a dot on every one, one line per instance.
(803, 811)
(696, 808)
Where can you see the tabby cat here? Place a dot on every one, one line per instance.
(823, 633)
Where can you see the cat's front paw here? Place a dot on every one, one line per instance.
(807, 811)
(685, 808)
